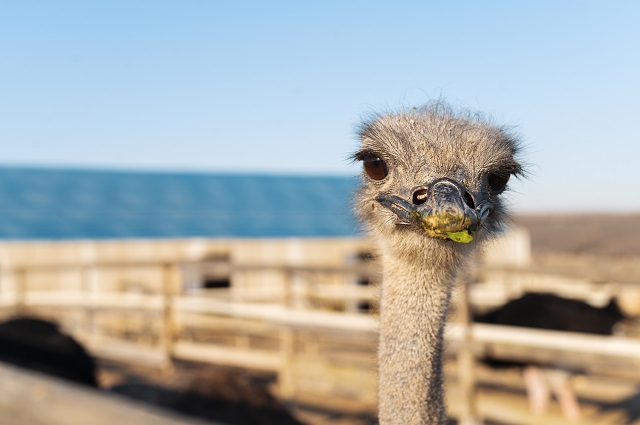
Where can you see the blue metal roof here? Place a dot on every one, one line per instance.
(83, 204)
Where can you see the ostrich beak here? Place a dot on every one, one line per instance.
(443, 209)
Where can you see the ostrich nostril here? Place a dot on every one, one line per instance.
(419, 196)
(468, 199)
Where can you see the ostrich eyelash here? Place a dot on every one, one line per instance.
(365, 154)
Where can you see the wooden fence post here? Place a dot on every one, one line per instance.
(466, 359)
(21, 291)
(88, 310)
(286, 380)
(170, 287)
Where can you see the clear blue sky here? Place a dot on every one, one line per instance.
(278, 86)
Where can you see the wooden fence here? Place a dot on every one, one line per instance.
(313, 352)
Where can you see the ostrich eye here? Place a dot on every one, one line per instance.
(498, 182)
(375, 168)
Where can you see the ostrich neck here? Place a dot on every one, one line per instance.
(414, 302)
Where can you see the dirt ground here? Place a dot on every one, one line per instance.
(215, 393)
(226, 395)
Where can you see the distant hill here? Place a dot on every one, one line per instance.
(599, 234)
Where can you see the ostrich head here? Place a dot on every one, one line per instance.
(432, 179)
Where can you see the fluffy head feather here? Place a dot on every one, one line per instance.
(421, 145)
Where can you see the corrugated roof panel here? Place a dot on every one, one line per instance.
(64, 204)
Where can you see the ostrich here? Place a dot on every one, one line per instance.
(551, 312)
(39, 344)
(430, 194)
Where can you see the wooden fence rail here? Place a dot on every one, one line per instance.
(274, 336)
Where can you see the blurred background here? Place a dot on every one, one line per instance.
(175, 189)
